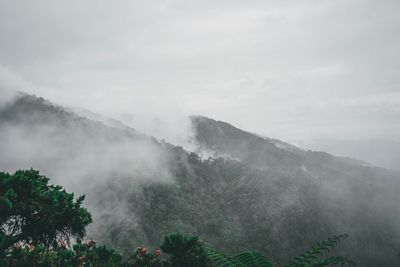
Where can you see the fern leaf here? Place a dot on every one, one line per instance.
(252, 259)
(221, 260)
(311, 256)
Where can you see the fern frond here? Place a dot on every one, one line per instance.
(311, 256)
(219, 259)
(252, 259)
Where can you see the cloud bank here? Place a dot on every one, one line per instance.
(314, 70)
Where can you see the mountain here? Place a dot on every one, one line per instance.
(252, 149)
(113, 123)
(257, 193)
(346, 190)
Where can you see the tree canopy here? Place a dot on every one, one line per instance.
(32, 210)
(45, 216)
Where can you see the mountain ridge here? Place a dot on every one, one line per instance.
(276, 142)
(269, 199)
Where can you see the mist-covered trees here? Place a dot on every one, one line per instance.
(38, 220)
(33, 211)
(276, 199)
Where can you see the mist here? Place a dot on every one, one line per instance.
(291, 71)
(262, 125)
(81, 155)
(138, 187)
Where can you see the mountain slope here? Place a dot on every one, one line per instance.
(268, 198)
(252, 149)
(345, 188)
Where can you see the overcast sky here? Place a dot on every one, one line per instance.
(307, 72)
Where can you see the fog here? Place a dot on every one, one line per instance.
(301, 72)
(320, 75)
(139, 189)
(81, 155)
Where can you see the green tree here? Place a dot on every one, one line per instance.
(33, 211)
(185, 251)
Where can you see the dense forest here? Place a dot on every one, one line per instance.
(253, 194)
(38, 221)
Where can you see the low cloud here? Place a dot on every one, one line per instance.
(289, 70)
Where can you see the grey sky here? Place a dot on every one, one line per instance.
(297, 70)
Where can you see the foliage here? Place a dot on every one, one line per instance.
(243, 259)
(142, 257)
(220, 259)
(87, 254)
(252, 259)
(185, 251)
(311, 258)
(182, 251)
(31, 210)
(38, 220)
(91, 255)
(269, 197)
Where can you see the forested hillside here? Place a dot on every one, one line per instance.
(257, 193)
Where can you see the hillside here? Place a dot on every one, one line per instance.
(264, 195)
(252, 149)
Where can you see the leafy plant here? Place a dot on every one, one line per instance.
(243, 259)
(252, 259)
(89, 254)
(142, 257)
(185, 251)
(311, 258)
(32, 211)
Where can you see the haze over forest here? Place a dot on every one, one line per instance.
(256, 125)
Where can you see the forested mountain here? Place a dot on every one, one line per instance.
(257, 193)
